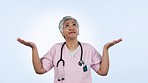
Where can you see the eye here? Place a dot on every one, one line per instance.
(74, 24)
(66, 26)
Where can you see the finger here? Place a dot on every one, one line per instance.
(19, 40)
(117, 41)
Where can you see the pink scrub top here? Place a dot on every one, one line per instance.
(73, 73)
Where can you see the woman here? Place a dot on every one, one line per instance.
(72, 60)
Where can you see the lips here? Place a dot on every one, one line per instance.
(71, 32)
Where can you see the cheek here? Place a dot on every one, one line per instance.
(64, 32)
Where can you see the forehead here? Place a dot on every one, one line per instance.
(69, 21)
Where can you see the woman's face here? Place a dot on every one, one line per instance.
(70, 29)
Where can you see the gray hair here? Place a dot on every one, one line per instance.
(63, 20)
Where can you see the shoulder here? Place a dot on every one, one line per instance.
(57, 45)
(86, 45)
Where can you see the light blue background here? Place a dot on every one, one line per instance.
(100, 21)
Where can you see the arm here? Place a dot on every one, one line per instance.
(35, 57)
(104, 66)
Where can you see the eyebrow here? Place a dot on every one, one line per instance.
(72, 22)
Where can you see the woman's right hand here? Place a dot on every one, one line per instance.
(27, 43)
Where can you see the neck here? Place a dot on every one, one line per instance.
(72, 44)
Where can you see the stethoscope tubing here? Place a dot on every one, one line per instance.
(61, 59)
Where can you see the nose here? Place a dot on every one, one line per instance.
(71, 27)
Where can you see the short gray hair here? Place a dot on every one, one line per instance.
(64, 19)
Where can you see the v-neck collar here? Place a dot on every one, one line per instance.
(76, 51)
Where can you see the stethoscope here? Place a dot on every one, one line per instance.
(80, 63)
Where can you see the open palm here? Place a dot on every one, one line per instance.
(27, 43)
(109, 44)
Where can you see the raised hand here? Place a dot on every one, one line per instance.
(109, 44)
(27, 43)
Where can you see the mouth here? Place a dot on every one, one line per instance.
(71, 32)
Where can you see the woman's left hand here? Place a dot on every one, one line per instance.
(109, 44)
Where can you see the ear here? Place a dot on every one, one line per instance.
(62, 34)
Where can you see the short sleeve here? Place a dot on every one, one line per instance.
(47, 59)
(96, 60)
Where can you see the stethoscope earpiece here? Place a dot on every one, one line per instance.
(61, 79)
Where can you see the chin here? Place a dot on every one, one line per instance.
(73, 37)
